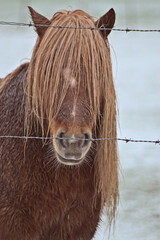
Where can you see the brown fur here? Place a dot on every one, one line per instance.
(40, 199)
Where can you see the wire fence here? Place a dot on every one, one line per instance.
(127, 140)
(4, 23)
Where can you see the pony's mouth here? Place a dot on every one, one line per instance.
(67, 161)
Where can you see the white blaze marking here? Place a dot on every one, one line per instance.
(74, 110)
(68, 77)
(73, 82)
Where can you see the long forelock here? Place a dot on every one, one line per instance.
(81, 51)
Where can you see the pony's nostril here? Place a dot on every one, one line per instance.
(61, 139)
(87, 136)
(86, 141)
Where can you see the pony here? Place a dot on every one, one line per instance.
(57, 187)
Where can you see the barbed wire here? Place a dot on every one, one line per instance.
(4, 23)
(127, 140)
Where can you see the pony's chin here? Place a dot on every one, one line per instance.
(69, 162)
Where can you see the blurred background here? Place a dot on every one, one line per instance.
(136, 69)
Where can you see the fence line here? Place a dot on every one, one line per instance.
(127, 140)
(4, 23)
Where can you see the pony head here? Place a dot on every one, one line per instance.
(68, 75)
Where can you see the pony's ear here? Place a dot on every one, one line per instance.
(39, 20)
(106, 21)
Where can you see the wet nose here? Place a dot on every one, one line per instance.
(74, 142)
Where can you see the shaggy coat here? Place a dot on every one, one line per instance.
(67, 85)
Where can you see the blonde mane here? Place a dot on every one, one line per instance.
(87, 56)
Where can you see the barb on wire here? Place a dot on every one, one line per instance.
(4, 23)
(90, 139)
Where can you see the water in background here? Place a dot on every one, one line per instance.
(136, 66)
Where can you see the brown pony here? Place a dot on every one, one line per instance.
(56, 189)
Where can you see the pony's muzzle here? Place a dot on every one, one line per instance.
(71, 148)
